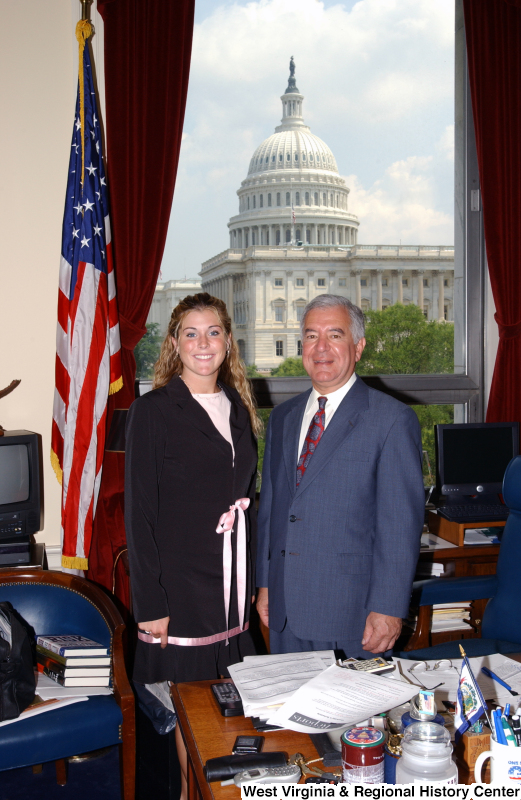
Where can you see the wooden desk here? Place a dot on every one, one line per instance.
(207, 734)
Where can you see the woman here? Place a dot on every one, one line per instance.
(191, 457)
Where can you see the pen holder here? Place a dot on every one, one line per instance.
(505, 763)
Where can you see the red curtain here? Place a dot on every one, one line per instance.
(493, 31)
(147, 60)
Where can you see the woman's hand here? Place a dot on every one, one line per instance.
(158, 628)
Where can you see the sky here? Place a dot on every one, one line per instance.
(378, 83)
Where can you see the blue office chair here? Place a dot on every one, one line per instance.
(501, 626)
(59, 603)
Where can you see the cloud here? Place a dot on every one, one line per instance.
(378, 79)
(401, 206)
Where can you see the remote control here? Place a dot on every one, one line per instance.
(228, 699)
(274, 775)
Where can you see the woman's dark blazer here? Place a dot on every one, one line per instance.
(179, 479)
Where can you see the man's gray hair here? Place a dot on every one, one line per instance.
(356, 315)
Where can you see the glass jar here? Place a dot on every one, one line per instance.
(426, 755)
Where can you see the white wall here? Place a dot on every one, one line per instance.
(37, 101)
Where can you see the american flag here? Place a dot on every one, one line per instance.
(88, 358)
(293, 217)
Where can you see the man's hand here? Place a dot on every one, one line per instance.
(262, 606)
(381, 632)
(158, 628)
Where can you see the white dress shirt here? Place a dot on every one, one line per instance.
(333, 401)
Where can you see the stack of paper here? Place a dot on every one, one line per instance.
(266, 682)
(429, 570)
(450, 616)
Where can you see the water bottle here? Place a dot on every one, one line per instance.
(426, 755)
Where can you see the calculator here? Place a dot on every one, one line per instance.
(378, 666)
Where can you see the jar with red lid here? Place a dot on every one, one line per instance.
(362, 755)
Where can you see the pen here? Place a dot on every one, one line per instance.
(516, 728)
(507, 730)
(500, 735)
(507, 710)
(498, 680)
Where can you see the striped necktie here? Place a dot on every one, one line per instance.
(313, 436)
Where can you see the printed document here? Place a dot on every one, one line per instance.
(339, 697)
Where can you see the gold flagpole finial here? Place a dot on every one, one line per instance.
(85, 9)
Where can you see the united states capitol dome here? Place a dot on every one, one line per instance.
(293, 190)
(292, 146)
(292, 149)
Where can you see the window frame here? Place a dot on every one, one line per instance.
(466, 385)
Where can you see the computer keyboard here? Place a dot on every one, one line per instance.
(474, 513)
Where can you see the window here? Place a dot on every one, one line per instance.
(288, 157)
(248, 200)
(425, 282)
(308, 236)
(288, 202)
(246, 238)
(331, 199)
(303, 156)
(445, 282)
(279, 314)
(296, 156)
(297, 234)
(363, 282)
(307, 198)
(269, 199)
(297, 198)
(280, 156)
(278, 198)
(261, 204)
(277, 237)
(426, 311)
(324, 199)
(278, 281)
(242, 348)
(279, 347)
(316, 198)
(299, 347)
(300, 309)
(299, 282)
(384, 282)
(321, 282)
(288, 235)
(341, 281)
(253, 238)
(311, 156)
(254, 201)
(405, 282)
(273, 159)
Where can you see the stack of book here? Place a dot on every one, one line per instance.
(73, 660)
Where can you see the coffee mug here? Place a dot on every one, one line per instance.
(505, 763)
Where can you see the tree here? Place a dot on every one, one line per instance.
(401, 341)
(252, 371)
(290, 366)
(146, 352)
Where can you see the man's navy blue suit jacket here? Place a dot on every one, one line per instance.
(346, 541)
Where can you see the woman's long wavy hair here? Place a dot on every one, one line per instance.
(232, 371)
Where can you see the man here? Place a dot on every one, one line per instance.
(342, 500)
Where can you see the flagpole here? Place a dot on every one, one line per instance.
(476, 687)
(85, 5)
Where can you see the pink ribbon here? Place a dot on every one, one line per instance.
(194, 641)
(225, 527)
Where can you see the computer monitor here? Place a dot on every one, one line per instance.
(471, 458)
(21, 496)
